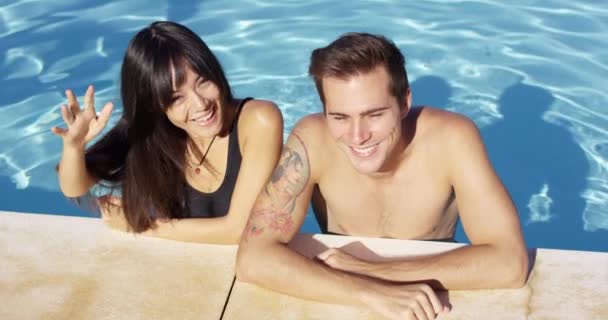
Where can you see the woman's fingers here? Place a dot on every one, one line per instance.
(59, 131)
(105, 114)
(89, 100)
(72, 103)
(67, 116)
(101, 121)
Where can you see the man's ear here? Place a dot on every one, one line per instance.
(407, 104)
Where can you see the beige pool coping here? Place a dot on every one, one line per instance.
(60, 267)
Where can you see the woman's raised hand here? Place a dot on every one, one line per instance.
(82, 124)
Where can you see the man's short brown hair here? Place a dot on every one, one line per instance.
(359, 53)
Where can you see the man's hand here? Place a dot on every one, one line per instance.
(340, 260)
(414, 301)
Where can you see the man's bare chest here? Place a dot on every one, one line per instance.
(408, 208)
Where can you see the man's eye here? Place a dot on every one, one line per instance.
(376, 115)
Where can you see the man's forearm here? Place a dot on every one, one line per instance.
(278, 268)
(469, 267)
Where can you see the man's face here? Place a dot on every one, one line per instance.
(364, 118)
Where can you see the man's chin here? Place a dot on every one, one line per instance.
(365, 166)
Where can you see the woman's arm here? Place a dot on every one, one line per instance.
(74, 179)
(82, 126)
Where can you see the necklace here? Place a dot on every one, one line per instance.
(197, 169)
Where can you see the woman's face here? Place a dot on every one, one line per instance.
(196, 107)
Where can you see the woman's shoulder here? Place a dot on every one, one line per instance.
(260, 115)
(258, 118)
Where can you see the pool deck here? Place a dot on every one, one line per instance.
(59, 267)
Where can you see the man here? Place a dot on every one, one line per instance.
(376, 167)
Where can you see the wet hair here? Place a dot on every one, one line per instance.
(144, 154)
(359, 53)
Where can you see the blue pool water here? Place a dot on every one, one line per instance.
(529, 74)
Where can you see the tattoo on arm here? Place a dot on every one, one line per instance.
(275, 205)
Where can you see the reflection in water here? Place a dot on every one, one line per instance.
(430, 91)
(543, 168)
(540, 206)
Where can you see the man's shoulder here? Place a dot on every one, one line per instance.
(311, 128)
(445, 126)
(313, 121)
(311, 132)
(450, 120)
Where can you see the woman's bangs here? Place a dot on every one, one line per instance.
(169, 74)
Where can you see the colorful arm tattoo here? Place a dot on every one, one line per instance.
(274, 207)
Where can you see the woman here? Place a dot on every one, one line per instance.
(184, 147)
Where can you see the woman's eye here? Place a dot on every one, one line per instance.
(203, 83)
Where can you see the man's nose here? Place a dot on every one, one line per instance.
(359, 132)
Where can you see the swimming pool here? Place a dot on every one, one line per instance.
(528, 74)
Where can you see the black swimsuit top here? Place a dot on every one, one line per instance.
(216, 204)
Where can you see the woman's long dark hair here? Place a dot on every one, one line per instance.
(144, 154)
